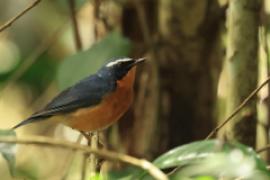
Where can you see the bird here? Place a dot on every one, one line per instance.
(95, 102)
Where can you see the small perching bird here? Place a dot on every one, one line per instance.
(95, 102)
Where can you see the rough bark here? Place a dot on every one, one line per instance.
(242, 63)
(190, 66)
(182, 90)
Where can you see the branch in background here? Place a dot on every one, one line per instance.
(143, 23)
(12, 20)
(238, 109)
(32, 58)
(75, 26)
(146, 112)
(44, 45)
(49, 142)
(265, 148)
(96, 17)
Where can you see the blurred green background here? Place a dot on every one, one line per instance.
(188, 85)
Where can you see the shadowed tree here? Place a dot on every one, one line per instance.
(242, 67)
(178, 89)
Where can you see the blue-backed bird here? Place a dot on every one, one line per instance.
(95, 102)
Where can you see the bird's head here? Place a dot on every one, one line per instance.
(120, 67)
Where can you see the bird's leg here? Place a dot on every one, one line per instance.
(87, 137)
(93, 140)
(102, 140)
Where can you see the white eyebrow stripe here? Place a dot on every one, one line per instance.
(117, 61)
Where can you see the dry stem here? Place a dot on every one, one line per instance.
(75, 26)
(265, 148)
(238, 109)
(12, 20)
(45, 141)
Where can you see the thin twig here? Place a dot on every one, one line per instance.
(12, 20)
(50, 142)
(96, 12)
(265, 148)
(75, 26)
(239, 108)
(148, 40)
(143, 23)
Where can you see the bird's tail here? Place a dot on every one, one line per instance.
(26, 121)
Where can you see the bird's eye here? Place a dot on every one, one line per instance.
(120, 63)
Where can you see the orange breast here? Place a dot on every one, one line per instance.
(111, 108)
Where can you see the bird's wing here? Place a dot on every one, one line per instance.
(86, 93)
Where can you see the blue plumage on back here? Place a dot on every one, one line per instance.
(85, 93)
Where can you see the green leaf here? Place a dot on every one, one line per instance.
(185, 154)
(88, 62)
(96, 177)
(123, 174)
(8, 150)
(214, 159)
(205, 178)
(41, 73)
(211, 160)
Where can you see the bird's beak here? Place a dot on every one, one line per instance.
(138, 61)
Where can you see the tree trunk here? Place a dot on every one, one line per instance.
(176, 100)
(242, 67)
(190, 67)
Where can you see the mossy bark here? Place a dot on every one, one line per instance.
(243, 22)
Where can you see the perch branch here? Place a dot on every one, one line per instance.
(44, 141)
